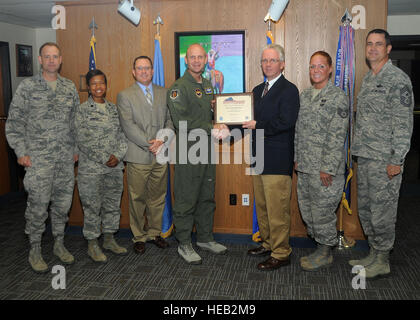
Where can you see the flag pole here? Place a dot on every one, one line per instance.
(158, 22)
(93, 26)
(159, 79)
(344, 242)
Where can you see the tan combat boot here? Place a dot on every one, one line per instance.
(366, 260)
(35, 259)
(94, 252)
(112, 245)
(320, 258)
(61, 252)
(379, 267)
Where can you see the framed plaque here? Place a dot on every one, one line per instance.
(24, 66)
(234, 108)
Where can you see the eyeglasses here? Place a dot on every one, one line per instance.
(265, 61)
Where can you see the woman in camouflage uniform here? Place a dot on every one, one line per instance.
(102, 145)
(320, 159)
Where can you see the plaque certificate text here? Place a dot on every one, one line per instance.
(234, 108)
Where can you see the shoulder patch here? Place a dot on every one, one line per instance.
(198, 93)
(343, 113)
(405, 96)
(174, 94)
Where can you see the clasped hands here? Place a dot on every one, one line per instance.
(155, 146)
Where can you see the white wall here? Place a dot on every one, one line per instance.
(404, 25)
(14, 34)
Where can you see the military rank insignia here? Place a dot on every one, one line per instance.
(198, 93)
(174, 94)
(405, 96)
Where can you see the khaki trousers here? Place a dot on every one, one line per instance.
(147, 186)
(272, 200)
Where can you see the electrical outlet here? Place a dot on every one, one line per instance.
(245, 199)
(232, 199)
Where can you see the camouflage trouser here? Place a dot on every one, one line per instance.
(318, 204)
(194, 201)
(45, 183)
(377, 199)
(100, 195)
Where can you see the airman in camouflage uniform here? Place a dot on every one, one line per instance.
(383, 129)
(98, 136)
(40, 128)
(321, 131)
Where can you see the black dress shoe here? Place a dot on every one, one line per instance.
(260, 251)
(273, 263)
(139, 247)
(160, 242)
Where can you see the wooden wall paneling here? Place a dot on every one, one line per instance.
(232, 179)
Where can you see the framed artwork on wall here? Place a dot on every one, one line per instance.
(24, 65)
(225, 50)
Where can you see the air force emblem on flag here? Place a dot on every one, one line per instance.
(405, 96)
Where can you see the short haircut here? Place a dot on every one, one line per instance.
(142, 57)
(381, 31)
(278, 48)
(52, 44)
(93, 73)
(324, 54)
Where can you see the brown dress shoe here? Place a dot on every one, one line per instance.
(160, 242)
(139, 247)
(273, 263)
(260, 251)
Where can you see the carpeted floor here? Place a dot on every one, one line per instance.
(163, 275)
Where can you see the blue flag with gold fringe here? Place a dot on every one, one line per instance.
(92, 55)
(159, 79)
(255, 228)
(345, 79)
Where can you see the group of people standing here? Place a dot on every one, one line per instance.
(50, 130)
(310, 130)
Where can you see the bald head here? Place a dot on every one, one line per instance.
(196, 59)
(195, 48)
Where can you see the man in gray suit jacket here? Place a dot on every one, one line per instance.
(143, 112)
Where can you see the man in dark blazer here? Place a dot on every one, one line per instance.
(276, 107)
(143, 113)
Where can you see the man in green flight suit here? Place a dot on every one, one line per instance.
(190, 104)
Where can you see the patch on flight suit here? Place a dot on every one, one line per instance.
(198, 93)
(405, 96)
(174, 94)
(209, 90)
(343, 113)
